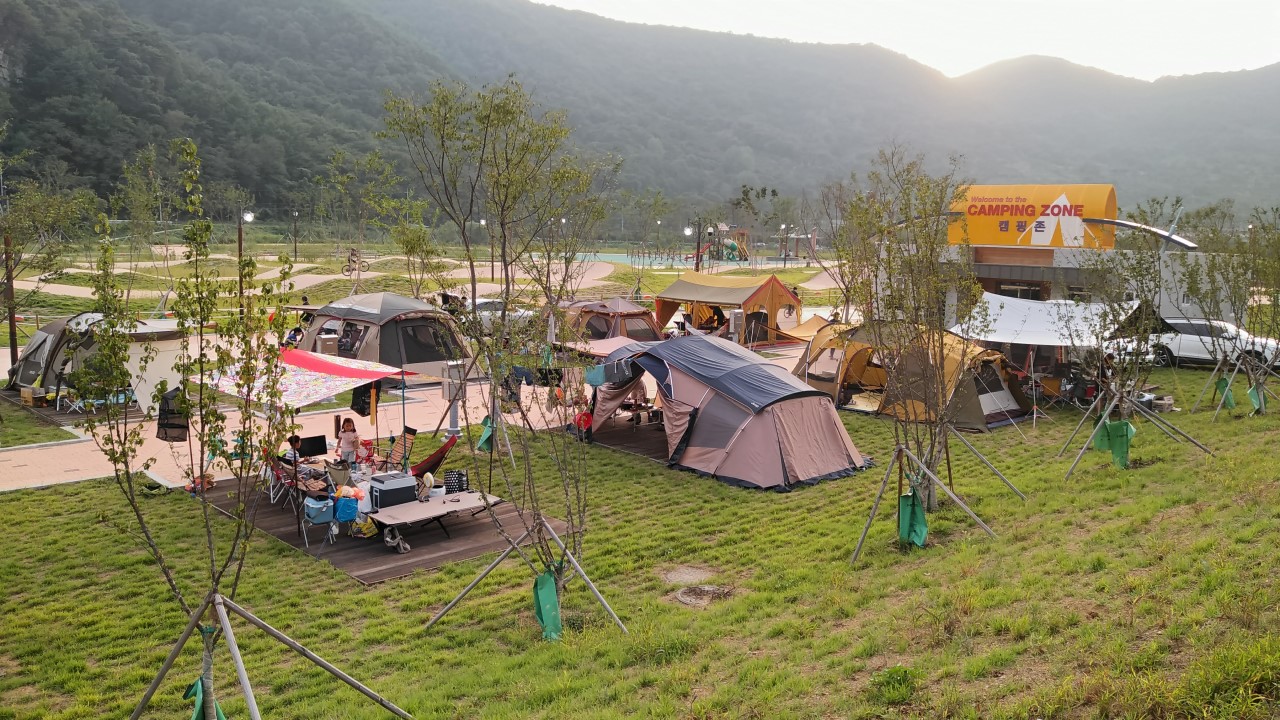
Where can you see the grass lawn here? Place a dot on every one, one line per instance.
(1141, 593)
(20, 426)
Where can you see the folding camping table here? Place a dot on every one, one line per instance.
(398, 518)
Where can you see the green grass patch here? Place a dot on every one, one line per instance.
(20, 426)
(1140, 593)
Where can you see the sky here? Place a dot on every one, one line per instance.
(1143, 39)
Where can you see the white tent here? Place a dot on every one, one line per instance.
(1051, 323)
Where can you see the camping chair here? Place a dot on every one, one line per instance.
(433, 461)
(317, 512)
(1050, 389)
(281, 482)
(339, 473)
(400, 450)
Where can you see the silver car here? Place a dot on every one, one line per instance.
(489, 312)
(1203, 342)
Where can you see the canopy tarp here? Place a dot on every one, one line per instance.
(374, 307)
(766, 294)
(1051, 323)
(308, 377)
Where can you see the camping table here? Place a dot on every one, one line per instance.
(393, 520)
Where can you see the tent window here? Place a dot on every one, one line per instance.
(596, 328)
(717, 422)
(427, 340)
(987, 380)
(29, 370)
(638, 329)
(351, 339)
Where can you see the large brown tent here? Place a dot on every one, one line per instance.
(760, 298)
(844, 363)
(602, 319)
(390, 329)
(728, 413)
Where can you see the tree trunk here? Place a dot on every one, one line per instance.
(206, 677)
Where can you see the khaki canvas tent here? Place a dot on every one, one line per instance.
(978, 387)
(390, 329)
(760, 298)
(727, 413)
(59, 348)
(602, 319)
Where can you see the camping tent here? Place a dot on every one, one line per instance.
(728, 413)
(390, 329)
(807, 329)
(978, 387)
(761, 299)
(602, 319)
(59, 348)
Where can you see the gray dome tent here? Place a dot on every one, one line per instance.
(731, 414)
(390, 329)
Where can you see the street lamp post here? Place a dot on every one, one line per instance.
(782, 237)
(295, 236)
(246, 216)
(482, 228)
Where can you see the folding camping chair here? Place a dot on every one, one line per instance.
(433, 461)
(1050, 389)
(399, 452)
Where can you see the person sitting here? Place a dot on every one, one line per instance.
(294, 459)
(718, 314)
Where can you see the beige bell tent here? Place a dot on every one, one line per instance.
(978, 389)
(725, 412)
(390, 329)
(761, 299)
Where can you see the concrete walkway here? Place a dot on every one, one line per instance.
(76, 460)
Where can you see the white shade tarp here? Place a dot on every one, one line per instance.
(1045, 323)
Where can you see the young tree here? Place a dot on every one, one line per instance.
(493, 155)
(913, 286)
(243, 348)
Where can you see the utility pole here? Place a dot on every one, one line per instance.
(8, 297)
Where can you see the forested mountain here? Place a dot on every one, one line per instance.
(270, 87)
(699, 112)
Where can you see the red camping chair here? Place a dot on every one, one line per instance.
(433, 461)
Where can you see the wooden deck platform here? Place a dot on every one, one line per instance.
(369, 560)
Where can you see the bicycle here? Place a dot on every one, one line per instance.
(354, 262)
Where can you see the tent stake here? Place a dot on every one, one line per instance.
(1106, 413)
(173, 656)
(304, 652)
(950, 494)
(986, 462)
(875, 506)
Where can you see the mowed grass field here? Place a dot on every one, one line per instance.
(1142, 593)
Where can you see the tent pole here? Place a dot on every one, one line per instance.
(925, 469)
(1223, 400)
(986, 462)
(1089, 441)
(875, 506)
(404, 416)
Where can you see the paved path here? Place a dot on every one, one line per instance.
(73, 461)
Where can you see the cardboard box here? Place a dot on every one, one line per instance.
(31, 397)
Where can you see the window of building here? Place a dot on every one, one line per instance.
(1078, 293)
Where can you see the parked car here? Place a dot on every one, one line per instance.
(489, 312)
(1202, 342)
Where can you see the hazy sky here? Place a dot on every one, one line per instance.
(1139, 38)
